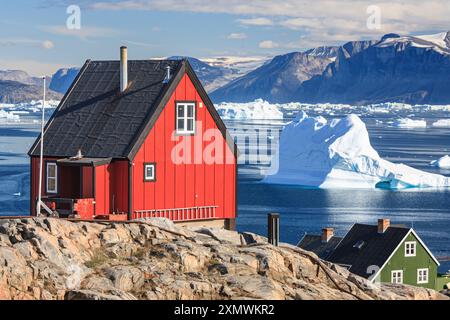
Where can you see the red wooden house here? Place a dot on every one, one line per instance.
(136, 139)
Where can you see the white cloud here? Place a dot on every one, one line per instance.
(237, 36)
(84, 33)
(256, 22)
(323, 21)
(268, 44)
(141, 44)
(45, 44)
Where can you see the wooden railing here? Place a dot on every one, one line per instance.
(179, 214)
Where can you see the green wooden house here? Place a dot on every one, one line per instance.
(386, 253)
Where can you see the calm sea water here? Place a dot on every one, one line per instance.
(302, 210)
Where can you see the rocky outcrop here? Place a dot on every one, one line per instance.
(45, 258)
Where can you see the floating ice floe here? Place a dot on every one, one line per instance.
(443, 163)
(256, 110)
(338, 154)
(264, 110)
(442, 123)
(410, 123)
(9, 115)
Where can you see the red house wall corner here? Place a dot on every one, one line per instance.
(189, 184)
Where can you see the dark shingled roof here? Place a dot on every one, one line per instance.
(96, 118)
(313, 243)
(375, 247)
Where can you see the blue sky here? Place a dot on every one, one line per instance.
(34, 36)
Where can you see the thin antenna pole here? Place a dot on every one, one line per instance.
(41, 156)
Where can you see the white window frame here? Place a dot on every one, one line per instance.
(48, 177)
(410, 248)
(398, 276)
(149, 178)
(423, 276)
(185, 118)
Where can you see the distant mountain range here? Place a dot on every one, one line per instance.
(408, 69)
(214, 73)
(18, 86)
(274, 81)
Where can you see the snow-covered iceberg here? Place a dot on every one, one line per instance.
(9, 115)
(442, 123)
(256, 110)
(443, 163)
(338, 154)
(410, 123)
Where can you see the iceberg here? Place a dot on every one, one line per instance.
(9, 115)
(256, 110)
(409, 123)
(442, 123)
(443, 163)
(315, 152)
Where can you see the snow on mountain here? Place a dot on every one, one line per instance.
(338, 154)
(256, 110)
(439, 42)
(324, 52)
(231, 67)
(241, 65)
(443, 163)
(440, 39)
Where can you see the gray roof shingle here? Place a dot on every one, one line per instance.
(374, 248)
(96, 118)
(314, 244)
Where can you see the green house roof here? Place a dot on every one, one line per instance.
(363, 247)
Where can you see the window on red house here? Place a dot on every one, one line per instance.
(185, 118)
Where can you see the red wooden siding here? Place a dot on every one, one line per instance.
(34, 182)
(69, 182)
(119, 186)
(111, 188)
(111, 185)
(193, 183)
(102, 190)
(196, 182)
(88, 191)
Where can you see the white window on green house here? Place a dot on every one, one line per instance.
(185, 118)
(422, 276)
(397, 276)
(410, 249)
(52, 177)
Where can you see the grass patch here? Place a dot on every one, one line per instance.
(98, 258)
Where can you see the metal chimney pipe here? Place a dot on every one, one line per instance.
(123, 69)
(168, 75)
